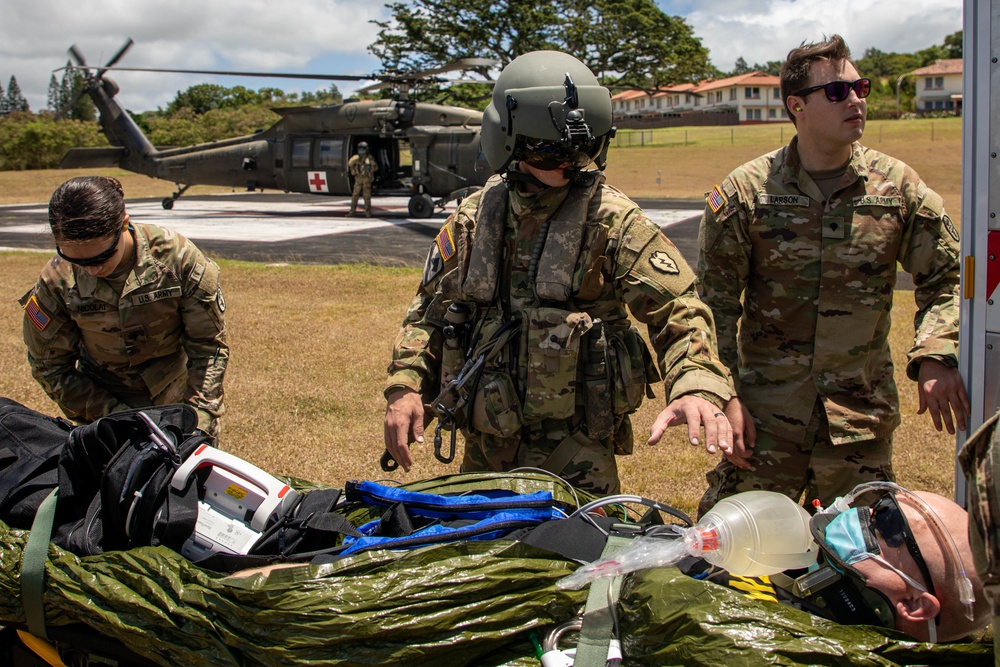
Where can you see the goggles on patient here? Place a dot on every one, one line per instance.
(849, 535)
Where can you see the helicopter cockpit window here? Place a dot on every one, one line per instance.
(300, 153)
(331, 153)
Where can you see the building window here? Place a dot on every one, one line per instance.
(732, 93)
(697, 101)
(939, 82)
(687, 98)
(751, 93)
(772, 113)
(777, 93)
(928, 105)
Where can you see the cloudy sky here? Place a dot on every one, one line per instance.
(331, 36)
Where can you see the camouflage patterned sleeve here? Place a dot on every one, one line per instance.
(930, 253)
(416, 351)
(203, 314)
(723, 267)
(658, 286)
(53, 341)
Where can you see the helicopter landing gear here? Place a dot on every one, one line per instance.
(421, 206)
(168, 202)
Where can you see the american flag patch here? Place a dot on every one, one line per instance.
(35, 313)
(716, 200)
(445, 242)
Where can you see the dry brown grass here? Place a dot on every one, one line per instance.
(309, 349)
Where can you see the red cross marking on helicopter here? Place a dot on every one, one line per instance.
(317, 182)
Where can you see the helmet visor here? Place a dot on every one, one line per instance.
(546, 155)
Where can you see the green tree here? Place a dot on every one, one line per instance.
(425, 34)
(52, 99)
(953, 45)
(773, 67)
(3, 101)
(29, 141)
(199, 98)
(71, 100)
(740, 67)
(15, 98)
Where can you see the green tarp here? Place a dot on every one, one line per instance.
(474, 603)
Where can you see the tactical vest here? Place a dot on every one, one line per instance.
(556, 357)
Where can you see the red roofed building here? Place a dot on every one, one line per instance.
(939, 86)
(754, 97)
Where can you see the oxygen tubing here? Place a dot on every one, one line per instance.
(965, 593)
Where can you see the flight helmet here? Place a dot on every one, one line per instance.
(363, 148)
(547, 109)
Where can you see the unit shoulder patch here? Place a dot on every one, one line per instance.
(662, 262)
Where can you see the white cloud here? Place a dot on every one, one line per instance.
(768, 29)
(257, 35)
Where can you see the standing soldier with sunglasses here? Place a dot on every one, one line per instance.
(519, 334)
(798, 261)
(126, 315)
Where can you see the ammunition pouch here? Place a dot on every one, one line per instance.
(495, 407)
(616, 373)
(550, 344)
(632, 370)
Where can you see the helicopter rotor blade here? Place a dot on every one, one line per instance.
(77, 57)
(275, 75)
(115, 58)
(461, 64)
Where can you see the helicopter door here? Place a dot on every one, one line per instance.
(318, 165)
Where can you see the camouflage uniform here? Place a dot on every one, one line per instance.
(807, 343)
(362, 169)
(161, 341)
(560, 393)
(980, 458)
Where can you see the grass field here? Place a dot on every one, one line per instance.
(310, 343)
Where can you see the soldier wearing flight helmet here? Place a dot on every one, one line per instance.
(519, 334)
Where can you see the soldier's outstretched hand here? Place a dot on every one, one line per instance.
(404, 423)
(942, 393)
(697, 413)
(744, 433)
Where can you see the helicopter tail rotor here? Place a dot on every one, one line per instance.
(95, 78)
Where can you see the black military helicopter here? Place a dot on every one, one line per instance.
(307, 149)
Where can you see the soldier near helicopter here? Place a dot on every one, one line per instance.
(520, 326)
(362, 168)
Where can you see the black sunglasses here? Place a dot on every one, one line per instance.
(891, 523)
(837, 91)
(96, 260)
